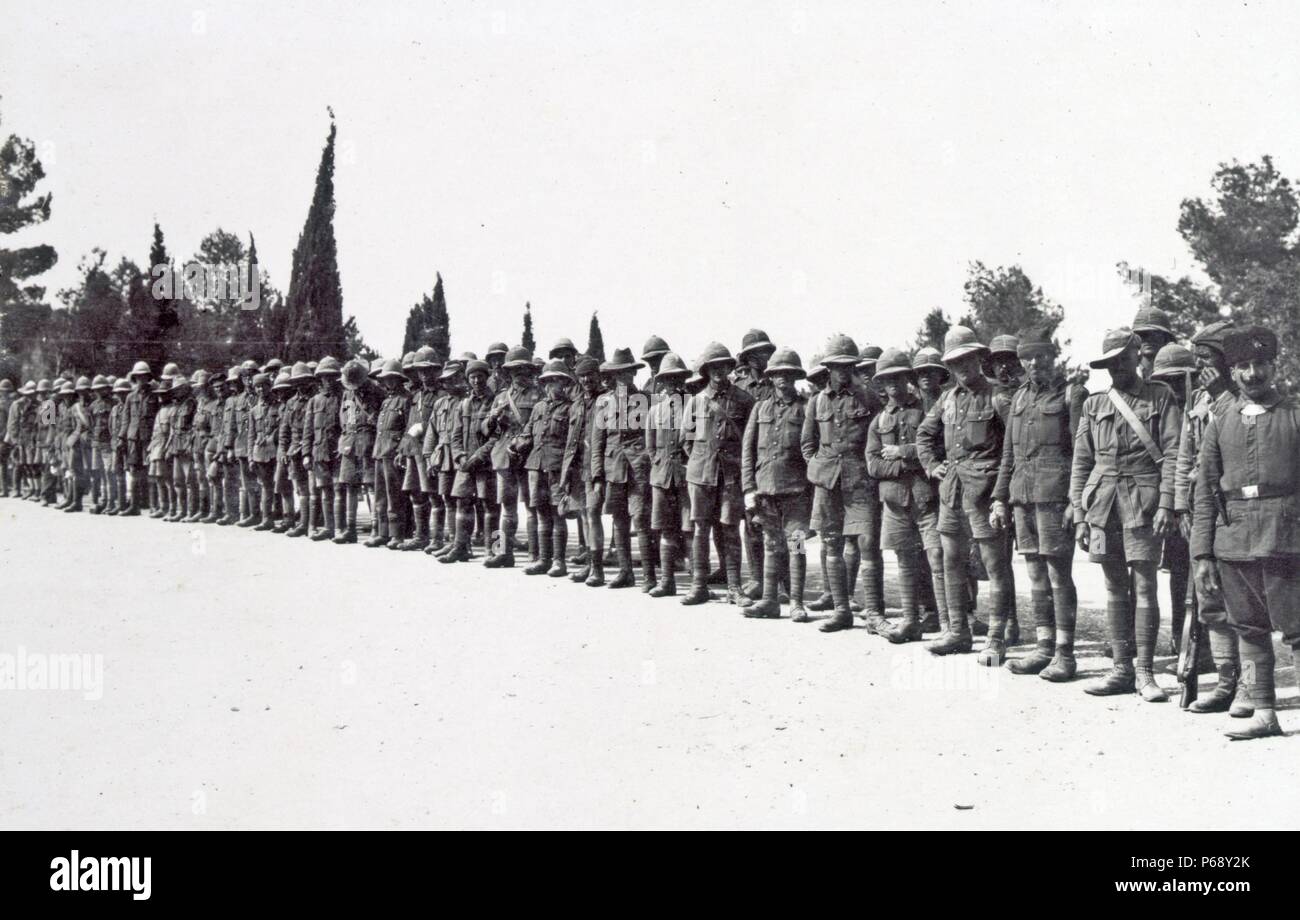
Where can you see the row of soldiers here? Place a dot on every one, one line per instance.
(952, 460)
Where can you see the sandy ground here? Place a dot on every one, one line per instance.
(251, 681)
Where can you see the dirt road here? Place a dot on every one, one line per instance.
(253, 681)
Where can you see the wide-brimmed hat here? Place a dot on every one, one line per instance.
(180, 382)
(376, 366)
(555, 369)
(562, 346)
(392, 368)
(28, 388)
(1114, 344)
(840, 351)
(283, 381)
(122, 386)
(140, 369)
(672, 365)
(300, 372)
(477, 367)
(714, 353)
(260, 378)
(1004, 345)
(868, 355)
(232, 375)
(1152, 319)
(83, 383)
(785, 361)
(928, 358)
(100, 383)
(816, 370)
(199, 378)
(654, 347)
(451, 369)
(170, 370)
(518, 357)
(328, 366)
(1257, 343)
(248, 366)
(496, 348)
(42, 386)
(754, 340)
(586, 365)
(1172, 360)
(892, 363)
(273, 367)
(960, 341)
(622, 360)
(425, 357)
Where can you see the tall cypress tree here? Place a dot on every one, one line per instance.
(314, 324)
(427, 324)
(527, 339)
(595, 342)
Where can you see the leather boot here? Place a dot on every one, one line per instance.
(596, 571)
(769, 606)
(559, 537)
(909, 628)
(345, 516)
(956, 639)
(798, 575)
(460, 543)
(380, 536)
(326, 532)
(1044, 633)
(754, 554)
(623, 543)
(1264, 724)
(1062, 667)
(531, 530)
(1224, 697)
(1146, 625)
(699, 593)
(545, 553)
(667, 584)
(506, 558)
(420, 539)
(1121, 679)
(648, 542)
(438, 539)
(300, 527)
(823, 601)
(837, 576)
(735, 595)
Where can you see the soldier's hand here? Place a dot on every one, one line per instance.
(751, 501)
(1160, 524)
(941, 471)
(1067, 518)
(998, 515)
(1081, 535)
(891, 452)
(598, 491)
(1207, 577)
(1209, 377)
(1185, 524)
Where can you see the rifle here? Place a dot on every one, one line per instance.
(1189, 653)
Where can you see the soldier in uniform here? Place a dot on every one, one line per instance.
(543, 442)
(320, 441)
(495, 357)
(834, 443)
(13, 422)
(1214, 394)
(207, 413)
(288, 447)
(263, 445)
(7, 397)
(141, 406)
(714, 430)
(358, 418)
(438, 455)
(575, 469)
(620, 467)
(665, 444)
(180, 451)
(97, 435)
(389, 465)
(865, 547)
(1122, 491)
(564, 350)
(774, 478)
(751, 363)
(249, 499)
(960, 444)
(77, 442)
(475, 483)
(816, 379)
(652, 353)
(416, 483)
(159, 466)
(1174, 367)
(1151, 326)
(910, 525)
(117, 419)
(1033, 491)
(226, 456)
(506, 422)
(1244, 535)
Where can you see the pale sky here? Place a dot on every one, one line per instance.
(690, 168)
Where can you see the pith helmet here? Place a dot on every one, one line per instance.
(869, 355)
(1004, 345)
(622, 360)
(122, 386)
(477, 367)
(300, 372)
(892, 362)
(273, 367)
(42, 386)
(376, 366)
(199, 378)
(715, 353)
(6, 385)
(259, 378)
(355, 373)
(67, 389)
(555, 369)
(451, 369)
(424, 358)
(562, 347)
(840, 351)
(786, 361)
(755, 340)
(170, 369)
(1172, 360)
(654, 347)
(816, 370)
(1152, 319)
(497, 348)
(518, 357)
(248, 367)
(392, 368)
(180, 382)
(672, 365)
(99, 383)
(283, 381)
(328, 367)
(926, 358)
(140, 369)
(408, 363)
(232, 375)
(960, 341)
(83, 383)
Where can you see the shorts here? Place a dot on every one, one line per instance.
(322, 472)
(415, 478)
(971, 519)
(1114, 543)
(101, 459)
(670, 507)
(446, 482)
(545, 489)
(181, 466)
(632, 497)
(784, 516)
(909, 529)
(1039, 531)
(723, 503)
(160, 467)
(137, 458)
(852, 512)
(356, 471)
(481, 484)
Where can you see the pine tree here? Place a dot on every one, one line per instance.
(527, 339)
(24, 315)
(314, 325)
(427, 324)
(595, 342)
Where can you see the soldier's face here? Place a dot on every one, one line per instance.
(1040, 366)
(495, 361)
(1006, 368)
(783, 383)
(520, 376)
(556, 388)
(1254, 377)
(896, 387)
(757, 360)
(930, 380)
(590, 383)
(1123, 370)
(966, 368)
(1208, 358)
(478, 382)
(841, 377)
(718, 373)
(1152, 342)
